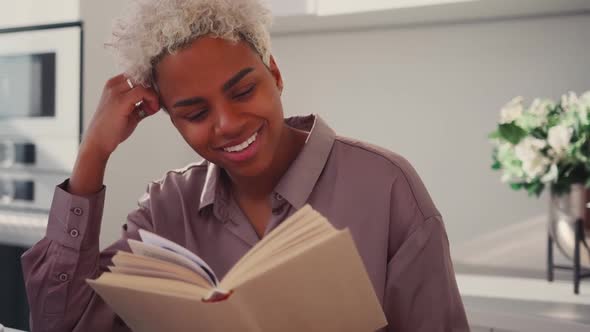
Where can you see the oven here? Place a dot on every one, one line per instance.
(40, 130)
(40, 112)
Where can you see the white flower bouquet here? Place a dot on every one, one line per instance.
(547, 144)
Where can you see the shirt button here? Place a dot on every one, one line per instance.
(78, 211)
(74, 232)
(63, 277)
(279, 197)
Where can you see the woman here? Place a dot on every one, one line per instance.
(207, 63)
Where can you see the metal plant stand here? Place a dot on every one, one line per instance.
(566, 230)
(579, 272)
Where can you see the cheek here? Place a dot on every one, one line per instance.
(196, 137)
(276, 113)
(270, 104)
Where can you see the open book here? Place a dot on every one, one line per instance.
(303, 276)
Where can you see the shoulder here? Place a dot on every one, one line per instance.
(168, 201)
(185, 173)
(181, 181)
(377, 158)
(379, 165)
(373, 155)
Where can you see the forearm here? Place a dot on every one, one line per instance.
(59, 298)
(88, 173)
(55, 269)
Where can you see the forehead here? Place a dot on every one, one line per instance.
(206, 60)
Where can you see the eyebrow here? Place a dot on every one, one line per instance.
(226, 86)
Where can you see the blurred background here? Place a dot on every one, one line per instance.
(423, 78)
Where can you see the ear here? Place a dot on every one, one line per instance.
(276, 73)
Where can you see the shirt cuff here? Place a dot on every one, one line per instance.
(74, 221)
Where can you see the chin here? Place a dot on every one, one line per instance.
(252, 170)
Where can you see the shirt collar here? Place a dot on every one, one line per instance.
(210, 187)
(298, 182)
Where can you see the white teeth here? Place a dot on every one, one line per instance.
(242, 146)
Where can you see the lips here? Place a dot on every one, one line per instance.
(243, 150)
(243, 145)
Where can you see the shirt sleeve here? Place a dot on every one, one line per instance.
(56, 268)
(421, 292)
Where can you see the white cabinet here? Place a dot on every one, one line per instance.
(282, 8)
(339, 7)
(293, 16)
(38, 12)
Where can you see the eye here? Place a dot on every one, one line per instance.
(197, 116)
(244, 92)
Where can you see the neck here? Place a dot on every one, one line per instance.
(260, 187)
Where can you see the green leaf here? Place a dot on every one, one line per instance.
(511, 132)
(496, 165)
(535, 188)
(494, 135)
(538, 133)
(516, 186)
(553, 120)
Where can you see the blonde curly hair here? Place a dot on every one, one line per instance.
(153, 28)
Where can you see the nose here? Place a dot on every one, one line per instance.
(229, 124)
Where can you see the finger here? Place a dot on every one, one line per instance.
(147, 96)
(124, 85)
(139, 113)
(118, 83)
(133, 93)
(121, 84)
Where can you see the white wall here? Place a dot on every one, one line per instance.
(430, 93)
(433, 93)
(150, 151)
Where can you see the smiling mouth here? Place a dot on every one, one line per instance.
(244, 145)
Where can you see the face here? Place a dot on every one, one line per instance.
(225, 103)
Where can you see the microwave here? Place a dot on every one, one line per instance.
(40, 111)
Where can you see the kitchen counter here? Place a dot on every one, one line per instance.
(8, 329)
(523, 316)
(22, 229)
(524, 304)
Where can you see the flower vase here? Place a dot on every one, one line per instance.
(564, 210)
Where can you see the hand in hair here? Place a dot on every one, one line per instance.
(113, 122)
(116, 117)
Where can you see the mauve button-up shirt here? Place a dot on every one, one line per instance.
(373, 192)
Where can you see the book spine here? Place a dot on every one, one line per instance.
(217, 295)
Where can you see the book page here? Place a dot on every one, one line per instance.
(282, 249)
(324, 287)
(127, 263)
(153, 274)
(309, 230)
(284, 228)
(156, 240)
(150, 250)
(302, 229)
